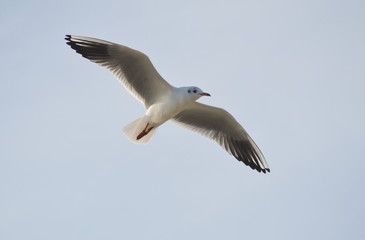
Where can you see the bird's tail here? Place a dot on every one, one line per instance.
(134, 130)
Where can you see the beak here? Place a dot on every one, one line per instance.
(205, 94)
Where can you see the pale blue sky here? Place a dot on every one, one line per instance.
(292, 72)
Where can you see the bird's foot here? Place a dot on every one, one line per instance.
(144, 132)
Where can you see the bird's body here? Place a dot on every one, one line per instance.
(168, 106)
(164, 102)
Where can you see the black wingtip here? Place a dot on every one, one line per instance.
(68, 39)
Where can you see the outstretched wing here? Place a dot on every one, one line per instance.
(220, 126)
(133, 68)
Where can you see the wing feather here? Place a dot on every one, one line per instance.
(133, 68)
(220, 126)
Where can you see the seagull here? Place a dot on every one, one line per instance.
(164, 102)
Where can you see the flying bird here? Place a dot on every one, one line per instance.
(164, 102)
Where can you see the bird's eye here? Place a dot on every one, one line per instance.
(194, 91)
(189, 91)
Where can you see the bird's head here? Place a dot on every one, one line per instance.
(195, 92)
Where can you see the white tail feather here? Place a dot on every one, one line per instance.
(133, 129)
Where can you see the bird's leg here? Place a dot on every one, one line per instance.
(144, 132)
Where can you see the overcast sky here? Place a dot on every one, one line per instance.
(291, 72)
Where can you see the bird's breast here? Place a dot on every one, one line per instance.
(161, 112)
